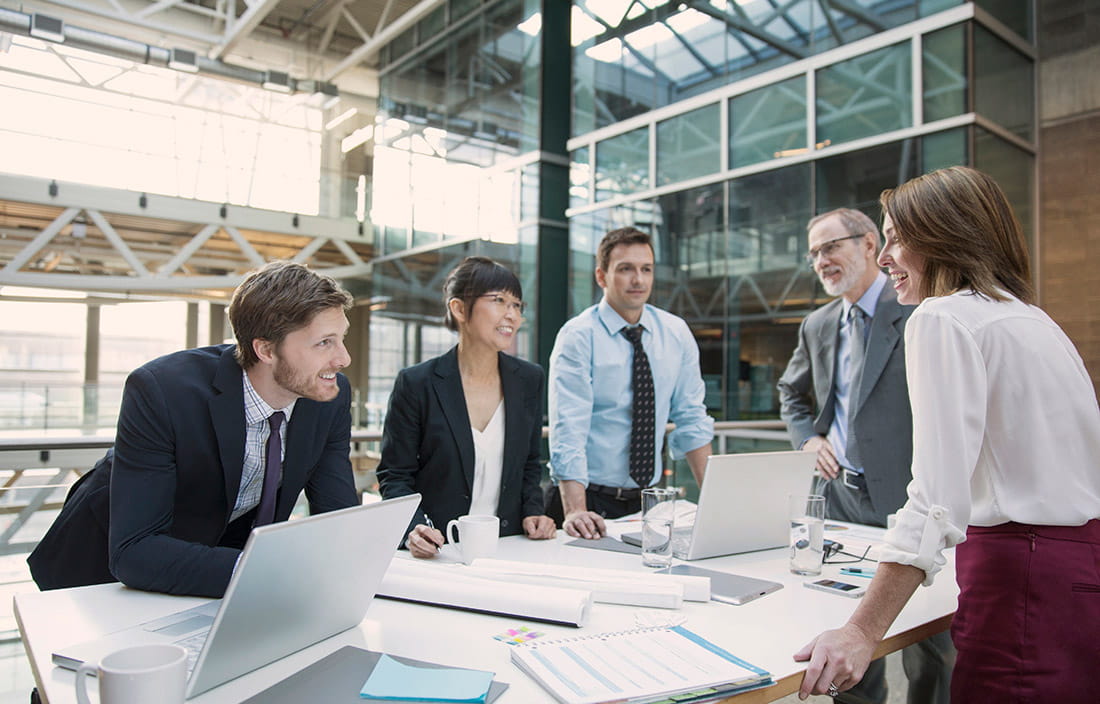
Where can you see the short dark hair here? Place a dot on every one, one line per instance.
(623, 235)
(959, 220)
(473, 278)
(277, 299)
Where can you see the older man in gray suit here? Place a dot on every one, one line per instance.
(844, 396)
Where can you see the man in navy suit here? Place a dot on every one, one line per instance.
(171, 505)
(856, 415)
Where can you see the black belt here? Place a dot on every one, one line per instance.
(853, 480)
(616, 492)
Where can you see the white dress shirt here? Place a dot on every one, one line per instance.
(488, 465)
(1006, 426)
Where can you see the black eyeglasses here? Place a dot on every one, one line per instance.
(501, 302)
(829, 248)
(833, 548)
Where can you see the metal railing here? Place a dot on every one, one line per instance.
(36, 471)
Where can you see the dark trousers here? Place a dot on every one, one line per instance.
(603, 504)
(928, 664)
(1029, 614)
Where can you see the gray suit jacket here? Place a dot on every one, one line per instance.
(881, 421)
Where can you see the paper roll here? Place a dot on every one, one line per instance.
(449, 585)
(694, 588)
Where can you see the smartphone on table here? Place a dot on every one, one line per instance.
(834, 586)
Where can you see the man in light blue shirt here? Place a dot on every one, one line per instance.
(591, 392)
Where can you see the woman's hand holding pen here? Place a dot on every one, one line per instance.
(424, 541)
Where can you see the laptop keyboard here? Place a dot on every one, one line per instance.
(193, 645)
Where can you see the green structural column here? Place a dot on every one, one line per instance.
(555, 89)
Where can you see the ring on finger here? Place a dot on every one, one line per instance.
(833, 689)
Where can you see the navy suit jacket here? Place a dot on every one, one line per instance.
(428, 445)
(154, 513)
(882, 422)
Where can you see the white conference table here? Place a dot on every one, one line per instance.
(766, 632)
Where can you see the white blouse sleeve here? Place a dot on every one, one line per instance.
(948, 393)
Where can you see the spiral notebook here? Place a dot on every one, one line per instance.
(640, 666)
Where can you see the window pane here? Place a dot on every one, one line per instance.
(768, 123)
(865, 96)
(579, 171)
(1015, 14)
(687, 145)
(944, 59)
(1004, 86)
(768, 213)
(856, 179)
(622, 164)
(1012, 168)
(432, 24)
(943, 149)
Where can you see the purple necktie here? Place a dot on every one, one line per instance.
(273, 471)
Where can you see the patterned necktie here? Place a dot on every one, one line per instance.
(642, 428)
(857, 342)
(273, 471)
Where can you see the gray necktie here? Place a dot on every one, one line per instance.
(273, 471)
(857, 342)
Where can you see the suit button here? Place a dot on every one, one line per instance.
(503, 523)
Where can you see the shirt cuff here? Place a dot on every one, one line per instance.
(919, 540)
(683, 440)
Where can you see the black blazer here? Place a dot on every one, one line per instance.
(428, 445)
(154, 513)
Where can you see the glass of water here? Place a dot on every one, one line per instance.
(658, 521)
(807, 520)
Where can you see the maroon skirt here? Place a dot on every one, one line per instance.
(1028, 624)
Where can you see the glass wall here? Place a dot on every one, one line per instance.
(630, 56)
(759, 128)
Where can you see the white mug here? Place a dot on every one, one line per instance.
(137, 675)
(476, 536)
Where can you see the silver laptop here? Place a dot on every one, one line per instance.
(742, 504)
(296, 583)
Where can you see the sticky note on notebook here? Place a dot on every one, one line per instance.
(395, 680)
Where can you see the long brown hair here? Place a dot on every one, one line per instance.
(959, 220)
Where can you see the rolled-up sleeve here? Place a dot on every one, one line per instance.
(694, 428)
(570, 404)
(948, 390)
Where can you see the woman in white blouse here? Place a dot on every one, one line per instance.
(465, 429)
(1006, 457)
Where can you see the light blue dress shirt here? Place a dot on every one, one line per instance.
(838, 431)
(591, 397)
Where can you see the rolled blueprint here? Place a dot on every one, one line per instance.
(448, 585)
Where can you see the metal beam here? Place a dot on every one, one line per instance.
(383, 37)
(239, 28)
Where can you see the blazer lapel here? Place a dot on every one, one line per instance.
(514, 440)
(227, 416)
(881, 341)
(825, 359)
(302, 427)
(447, 383)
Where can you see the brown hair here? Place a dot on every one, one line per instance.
(276, 300)
(855, 222)
(472, 279)
(959, 220)
(623, 235)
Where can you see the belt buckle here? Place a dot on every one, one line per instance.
(619, 494)
(844, 479)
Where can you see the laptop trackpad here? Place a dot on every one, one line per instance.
(188, 625)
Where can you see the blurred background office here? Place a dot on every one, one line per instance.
(155, 151)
